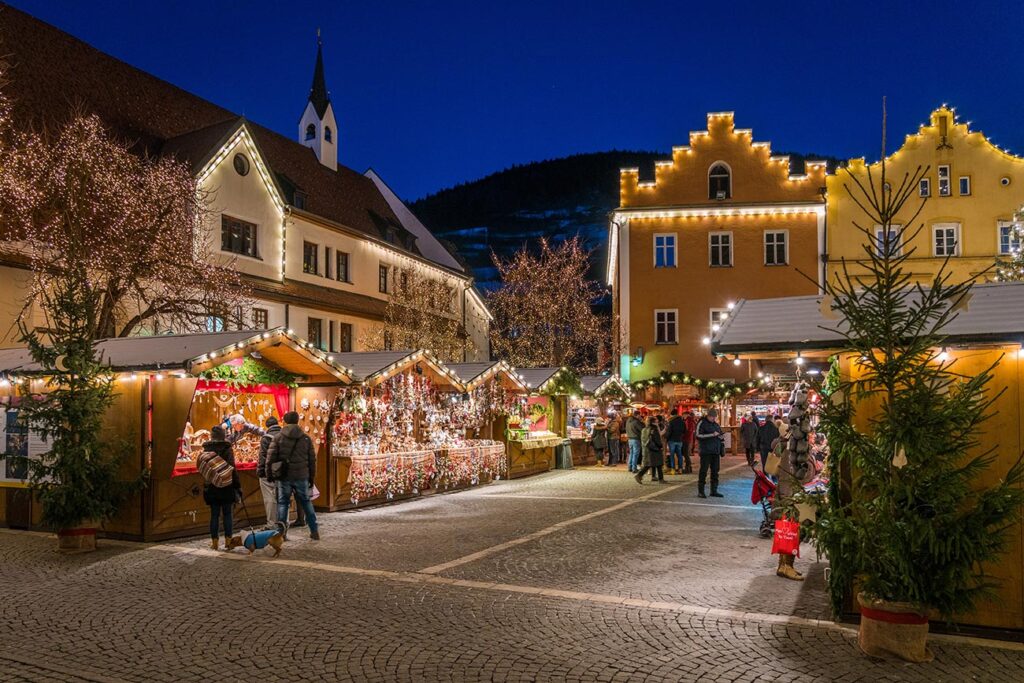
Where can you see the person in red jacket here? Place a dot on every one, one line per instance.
(688, 438)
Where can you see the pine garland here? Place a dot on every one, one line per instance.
(716, 391)
(250, 372)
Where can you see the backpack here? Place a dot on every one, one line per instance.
(215, 470)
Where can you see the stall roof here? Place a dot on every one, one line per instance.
(195, 353)
(992, 313)
(596, 385)
(471, 374)
(535, 378)
(373, 367)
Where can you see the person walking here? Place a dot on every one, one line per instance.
(748, 434)
(294, 449)
(634, 428)
(600, 440)
(268, 489)
(221, 499)
(711, 442)
(766, 436)
(689, 441)
(675, 436)
(614, 432)
(653, 452)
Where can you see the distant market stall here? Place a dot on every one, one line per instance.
(533, 439)
(171, 390)
(601, 396)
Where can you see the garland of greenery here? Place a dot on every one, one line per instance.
(566, 382)
(717, 391)
(250, 372)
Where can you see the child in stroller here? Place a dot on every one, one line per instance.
(763, 493)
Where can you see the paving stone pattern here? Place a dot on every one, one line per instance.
(356, 607)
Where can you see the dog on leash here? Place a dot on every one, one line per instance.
(257, 540)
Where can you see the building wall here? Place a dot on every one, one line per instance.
(17, 282)
(764, 197)
(967, 153)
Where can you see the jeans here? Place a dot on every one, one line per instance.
(634, 455)
(613, 451)
(268, 490)
(218, 510)
(675, 455)
(300, 489)
(712, 462)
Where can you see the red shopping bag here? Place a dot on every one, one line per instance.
(787, 538)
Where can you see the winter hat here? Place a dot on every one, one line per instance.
(291, 418)
(271, 421)
(713, 412)
(217, 433)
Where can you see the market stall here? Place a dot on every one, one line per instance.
(533, 439)
(171, 390)
(386, 428)
(603, 396)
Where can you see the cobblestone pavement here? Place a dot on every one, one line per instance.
(569, 576)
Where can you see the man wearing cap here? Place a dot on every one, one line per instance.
(268, 489)
(294, 448)
(711, 443)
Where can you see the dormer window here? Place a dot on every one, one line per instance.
(327, 133)
(719, 182)
(310, 132)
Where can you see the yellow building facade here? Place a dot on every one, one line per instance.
(723, 219)
(967, 196)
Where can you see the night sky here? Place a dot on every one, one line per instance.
(435, 93)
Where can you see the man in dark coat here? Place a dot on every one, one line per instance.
(766, 436)
(748, 434)
(294, 447)
(633, 429)
(675, 435)
(711, 441)
(653, 452)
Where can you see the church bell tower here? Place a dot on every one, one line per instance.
(317, 127)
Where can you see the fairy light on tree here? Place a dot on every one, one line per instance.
(542, 311)
(79, 198)
(1011, 268)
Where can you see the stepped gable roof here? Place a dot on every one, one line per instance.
(53, 75)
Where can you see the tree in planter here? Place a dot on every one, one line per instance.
(80, 197)
(542, 311)
(906, 521)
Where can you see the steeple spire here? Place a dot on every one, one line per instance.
(318, 92)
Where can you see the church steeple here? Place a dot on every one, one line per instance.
(318, 95)
(317, 127)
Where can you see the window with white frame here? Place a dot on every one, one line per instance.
(666, 327)
(719, 182)
(776, 252)
(945, 189)
(965, 185)
(894, 240)
(946, 239)
(665, 250)
(924, 187)
(717, 317)
(720, 249)
(1009, 241)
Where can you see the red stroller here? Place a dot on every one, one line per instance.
(763, 493)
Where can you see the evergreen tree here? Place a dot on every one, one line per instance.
(1012, 269)
(906, 519)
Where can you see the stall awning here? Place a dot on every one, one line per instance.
(373, 367)
(194, 353)
(536, 378)
(471, 375)
(992, 313)
(596, 385)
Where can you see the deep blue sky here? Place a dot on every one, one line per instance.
(434, 93)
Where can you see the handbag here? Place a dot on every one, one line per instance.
(772, 465)
(279, 468)
(787, 538)
(314, 492)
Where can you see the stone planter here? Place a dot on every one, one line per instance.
(893, 629)
(79, 539)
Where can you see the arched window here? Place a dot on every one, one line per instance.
(310, 131)
(327, 133)
(719, 182)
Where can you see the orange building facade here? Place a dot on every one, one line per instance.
(722, 220)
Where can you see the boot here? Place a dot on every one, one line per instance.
(786, 569)
(716, 494)
(214, 543)
(701, 494)
(639, 478)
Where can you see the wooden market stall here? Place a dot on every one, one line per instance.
(170, 390)
(533, 440)
(386, 427)
(603, 395)
(988, 330)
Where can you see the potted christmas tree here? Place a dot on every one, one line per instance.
(907, 524)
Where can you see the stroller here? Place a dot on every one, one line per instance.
(763, 493)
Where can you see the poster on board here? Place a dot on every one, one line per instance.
(13, 448)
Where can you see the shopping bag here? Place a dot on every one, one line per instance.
(787, 538)
(774, 462)
(314, 492)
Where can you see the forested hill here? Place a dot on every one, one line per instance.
(557, 198)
